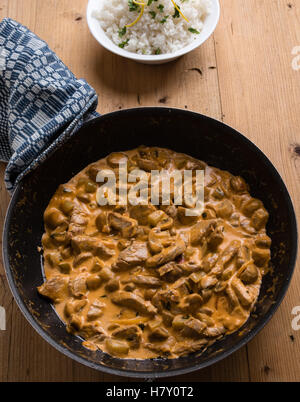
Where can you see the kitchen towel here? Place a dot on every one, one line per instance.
(42, 103)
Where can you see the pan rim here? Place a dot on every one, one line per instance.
(157, 374)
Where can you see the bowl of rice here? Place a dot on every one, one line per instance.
(152, 31)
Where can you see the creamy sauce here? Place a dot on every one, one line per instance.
(145, 281)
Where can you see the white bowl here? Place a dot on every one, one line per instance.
(210, 24)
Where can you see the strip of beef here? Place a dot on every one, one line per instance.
(215, 238)
(123, 224)
(131, 333)
(167, 300)
(170, 272)
(147, 164)
(214, 332)
(147, 281)
(163, 348)
(80, 258)
(189, 326)
(186, 347)
(94, 331)
(77, 286)
(167, 254)
(226, 256)
(158, 334)
(95, 246)
(55, 288)
(242, 292)
(134, 302)
(134, 255)
(78, 222)
(183, 286)
(201, 231)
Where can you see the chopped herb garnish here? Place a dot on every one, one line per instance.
(142, 326)
(139, 7)
(164, 19)
(123, 44)
(122, 32)
(103, 296)
(176, 12)
(194, 31)
(158, 51)
(132, 6)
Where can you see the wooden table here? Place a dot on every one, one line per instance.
(242, 75)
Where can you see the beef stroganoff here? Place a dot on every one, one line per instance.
(147, 281)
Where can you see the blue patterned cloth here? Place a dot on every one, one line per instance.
(42, 103)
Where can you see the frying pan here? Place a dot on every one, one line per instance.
(183, 131)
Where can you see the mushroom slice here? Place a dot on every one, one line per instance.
(158, 239)
(117, 158)
(127, 226)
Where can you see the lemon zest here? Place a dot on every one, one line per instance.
(142, 5)
(178, 9)
(138, 3)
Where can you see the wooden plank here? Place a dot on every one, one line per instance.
(6, 299)
(23, 11)
(260, 97)
(122, 83)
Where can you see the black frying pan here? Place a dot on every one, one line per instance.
(182, 131)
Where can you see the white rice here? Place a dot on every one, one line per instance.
(149, 35)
